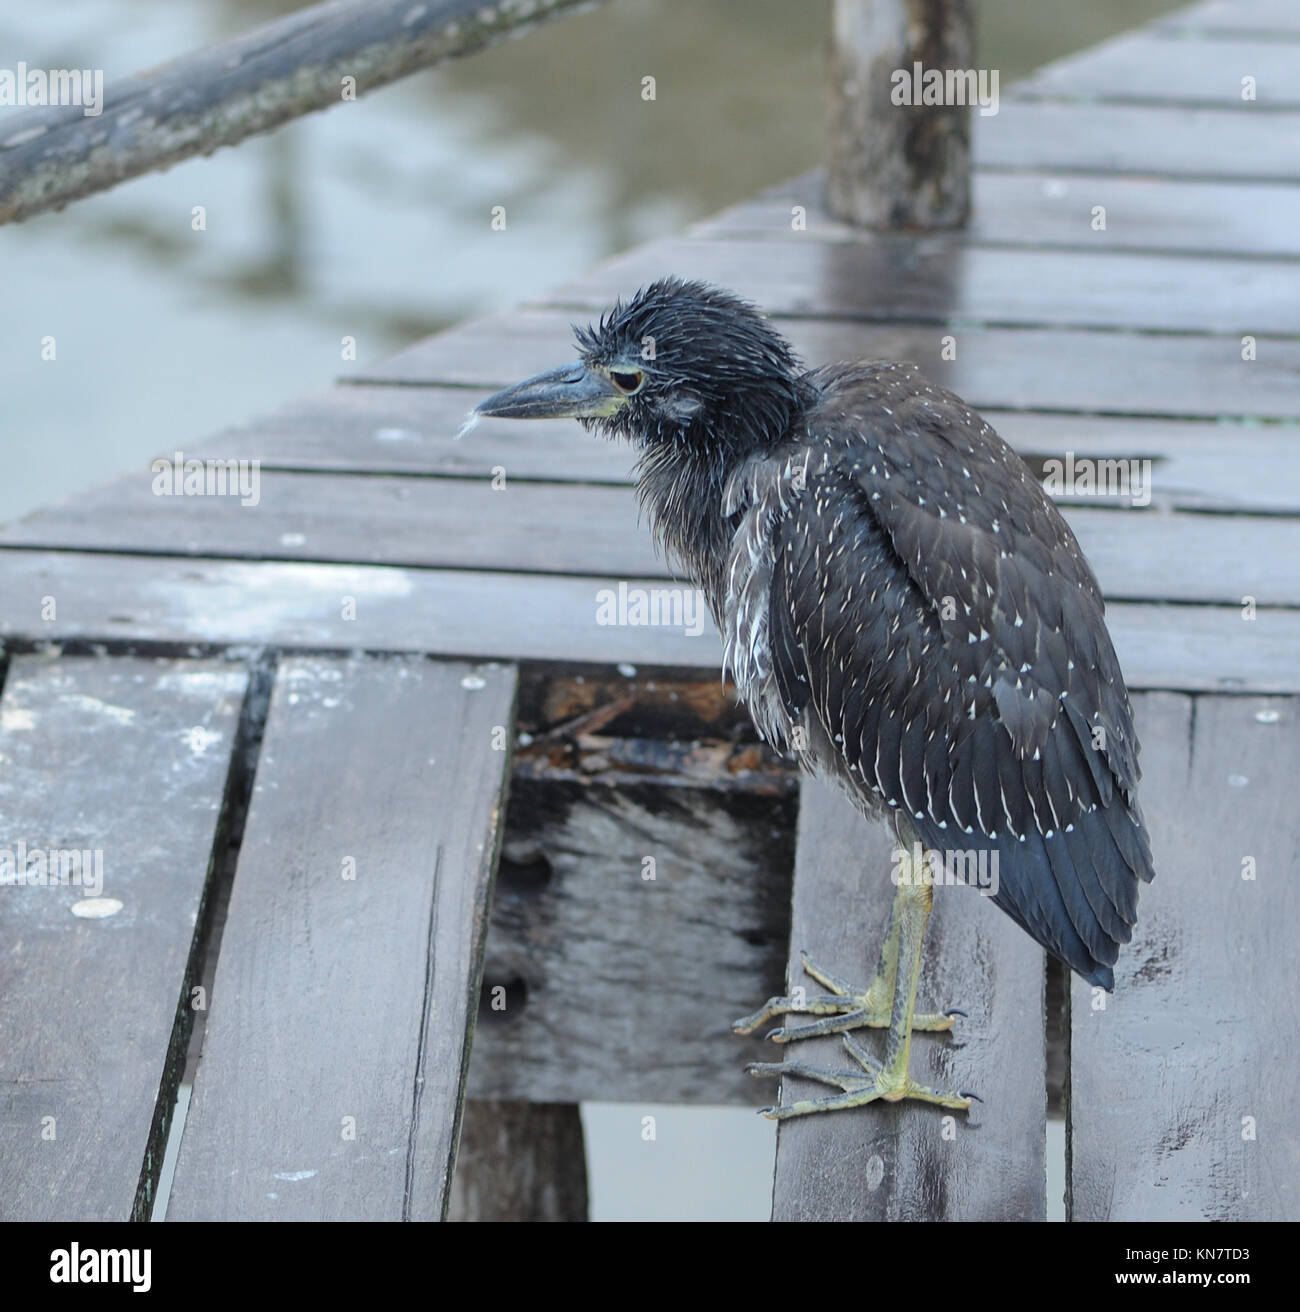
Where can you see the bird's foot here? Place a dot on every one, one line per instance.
(879, 1083)
(844, 1008)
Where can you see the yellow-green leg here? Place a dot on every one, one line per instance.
(887, 1080)
(845, 1007)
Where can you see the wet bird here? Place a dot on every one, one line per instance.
(903, 609)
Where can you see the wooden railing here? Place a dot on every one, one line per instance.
(216, 97)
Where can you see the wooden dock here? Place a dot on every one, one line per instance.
(299, 732)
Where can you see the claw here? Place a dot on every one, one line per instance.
(760, 1068)
(845, 1007)
(889, 1003)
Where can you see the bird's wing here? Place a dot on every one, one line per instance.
(928, 603)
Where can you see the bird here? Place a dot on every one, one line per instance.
(904, 610)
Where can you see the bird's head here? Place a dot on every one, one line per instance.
(682, 362)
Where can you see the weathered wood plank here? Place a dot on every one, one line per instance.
(630, 927)
(942, 279)
(529, 528)
(409, 430)
(1163, 140)
(307, 607)
(1181, 1102)
(183, 604)
(1167, 68)
(341, 1014)
(438, 522)
(997, 368)
(908, 1162)
(1056, 209)
(126, 761)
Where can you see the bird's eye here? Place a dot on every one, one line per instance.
(628, 383)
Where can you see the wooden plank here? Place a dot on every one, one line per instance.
(659, 967)
(1181, 1102)
(410, 430)
(194, 604)
(528, 528)
(180, 603)
(1056, 209)
(1194, 466)
(941, 279)
(1168, 68)
(126, 761)
(330, 1082)
(908, 1162)
(438, 522)
(1276, 18)
(1163, 140)
(995, 368)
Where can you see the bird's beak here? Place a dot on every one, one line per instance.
(571, 392)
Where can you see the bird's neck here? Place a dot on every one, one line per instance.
(682, 478)
(680, 486)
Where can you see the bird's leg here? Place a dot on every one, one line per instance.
(846, 1008)
(886, 1080)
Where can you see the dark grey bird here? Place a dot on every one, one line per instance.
(903, 608)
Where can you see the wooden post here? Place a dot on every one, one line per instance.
(520, 1161)
(898, 165)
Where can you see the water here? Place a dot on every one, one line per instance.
(373, 221)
